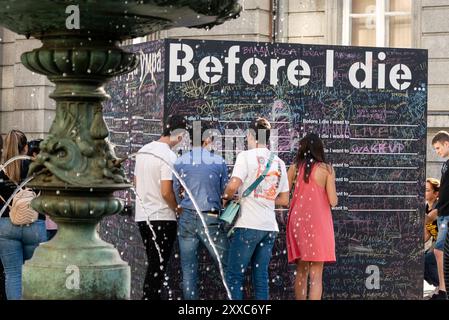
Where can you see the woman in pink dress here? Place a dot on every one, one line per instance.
(310, 230)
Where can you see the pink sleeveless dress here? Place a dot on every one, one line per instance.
(310, 229)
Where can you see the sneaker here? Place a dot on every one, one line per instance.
(441, 295)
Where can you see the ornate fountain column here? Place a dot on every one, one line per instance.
(80, 174)
(77, 171)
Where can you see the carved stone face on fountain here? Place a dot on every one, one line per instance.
(115, 19)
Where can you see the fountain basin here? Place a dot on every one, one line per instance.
(114, 19)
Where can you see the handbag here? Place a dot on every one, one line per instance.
(231, 212)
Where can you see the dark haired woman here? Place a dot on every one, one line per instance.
(310, 230)
(17, 243)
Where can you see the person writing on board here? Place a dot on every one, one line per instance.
(206, 175)
(156, 205)
(310, 229)
(440, 143)
(256, 228)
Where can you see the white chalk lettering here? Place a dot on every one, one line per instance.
(253, 70)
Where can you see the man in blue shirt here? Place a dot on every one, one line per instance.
(205, 175)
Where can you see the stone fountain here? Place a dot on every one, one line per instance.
(77, 171)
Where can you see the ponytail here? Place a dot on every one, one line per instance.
(15, 144)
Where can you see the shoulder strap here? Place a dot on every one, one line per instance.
(3, 210)
(260, 178)
(11, 198)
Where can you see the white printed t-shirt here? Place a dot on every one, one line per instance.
(257, 209)
(149, 172)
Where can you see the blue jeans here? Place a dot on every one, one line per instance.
(51, 233)
(250, 246)
(17, 244)
(190, 234)
(431, 269)
(443, 222)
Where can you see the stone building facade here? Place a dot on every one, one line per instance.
(24, 101)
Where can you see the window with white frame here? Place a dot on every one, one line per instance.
(380, 23)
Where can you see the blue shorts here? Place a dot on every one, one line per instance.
(443, 222)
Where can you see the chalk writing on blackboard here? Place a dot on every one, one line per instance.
(367, 104)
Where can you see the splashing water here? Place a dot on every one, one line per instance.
(22, 157)
(3, 167)
(198, 211)
(19, 187)
(149, 225)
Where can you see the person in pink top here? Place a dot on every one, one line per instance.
(310, 230)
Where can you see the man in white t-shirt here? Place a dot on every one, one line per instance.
(156, 205)
(256, 228)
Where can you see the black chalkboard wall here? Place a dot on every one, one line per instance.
(368, 105)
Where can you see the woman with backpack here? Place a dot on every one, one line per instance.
(310, 229)
(17, 242)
